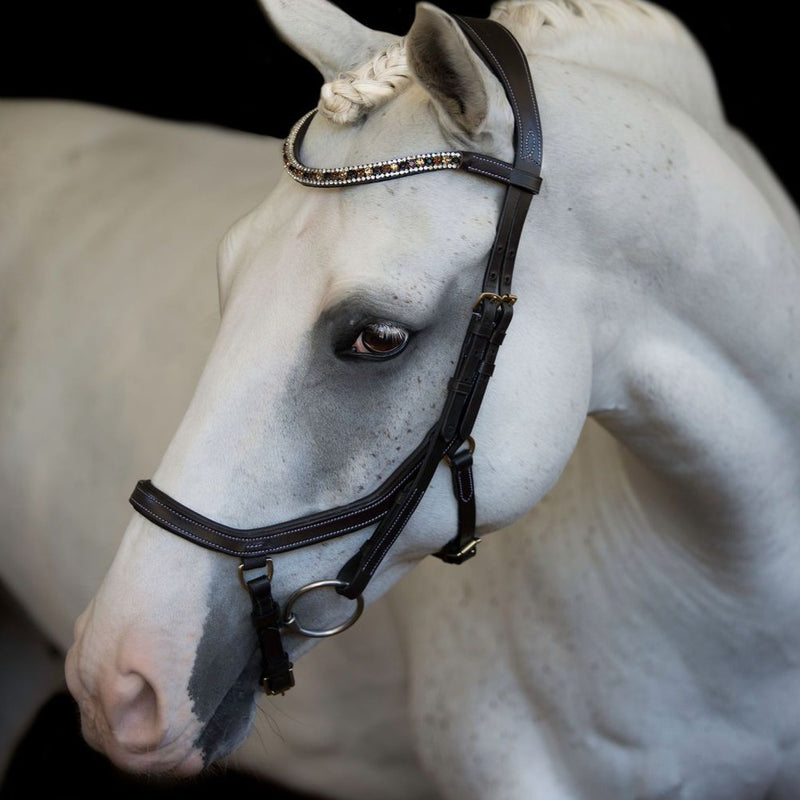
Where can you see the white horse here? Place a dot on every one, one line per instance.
(633, 630)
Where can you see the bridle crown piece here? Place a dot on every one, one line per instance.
(390, 506)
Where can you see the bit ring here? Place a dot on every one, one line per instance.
(291, 623)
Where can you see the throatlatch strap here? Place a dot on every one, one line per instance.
(463, 545)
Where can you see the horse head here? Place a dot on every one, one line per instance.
(344, 308)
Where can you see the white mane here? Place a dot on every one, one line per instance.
(539, 25)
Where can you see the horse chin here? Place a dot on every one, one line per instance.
(158, 766)
(176, 758)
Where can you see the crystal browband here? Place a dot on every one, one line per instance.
(362, 173)
(475, 163)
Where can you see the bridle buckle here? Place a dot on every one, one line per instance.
(500, 299)
(280, 683)
(464, 553)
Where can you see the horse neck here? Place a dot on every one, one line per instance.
(688, 277)
(643, 44)
(635, 40)
(701, 385)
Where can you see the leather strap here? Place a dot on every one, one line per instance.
(498, 170)
(492, 313)
(249, 543)
(463, 545)
(276, 669)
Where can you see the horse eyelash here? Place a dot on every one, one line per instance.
(348, 350)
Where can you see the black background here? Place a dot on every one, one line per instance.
(220, 62)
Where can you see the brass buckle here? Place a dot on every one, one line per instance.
(470, 444)
(243, 580)
(467, 551)
(500, 299)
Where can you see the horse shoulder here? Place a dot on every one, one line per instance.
(574, 658)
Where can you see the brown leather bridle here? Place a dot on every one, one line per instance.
(391, 505)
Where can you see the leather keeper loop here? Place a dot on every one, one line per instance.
(459, 387)
(501, 171)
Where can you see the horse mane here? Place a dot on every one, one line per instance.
(539, 26)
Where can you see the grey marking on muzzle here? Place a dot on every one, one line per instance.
(224, 682)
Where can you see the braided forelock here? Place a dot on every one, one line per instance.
(354, 93)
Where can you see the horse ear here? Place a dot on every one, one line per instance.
(324, 34)
(444, 62)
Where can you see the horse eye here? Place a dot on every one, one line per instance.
(379, 340)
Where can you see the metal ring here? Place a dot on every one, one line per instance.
(290, 620)
(243, 580)
(470, 445)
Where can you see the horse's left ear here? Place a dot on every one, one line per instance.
(324, 35)
(459, 83)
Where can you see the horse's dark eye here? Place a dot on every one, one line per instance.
(380, 340)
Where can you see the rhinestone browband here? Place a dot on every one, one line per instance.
(362, 173)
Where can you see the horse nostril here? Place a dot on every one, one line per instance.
(132, 712)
